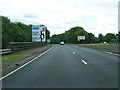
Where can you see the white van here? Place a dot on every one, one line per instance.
(61, 43)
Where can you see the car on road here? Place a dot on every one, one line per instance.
(61, 43)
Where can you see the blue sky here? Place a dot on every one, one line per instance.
(96, 16)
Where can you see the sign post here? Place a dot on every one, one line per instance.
(35, 33)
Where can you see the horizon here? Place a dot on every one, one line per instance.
(59, 16)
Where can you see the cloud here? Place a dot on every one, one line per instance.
(96, 16)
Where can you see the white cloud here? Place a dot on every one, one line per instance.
(96, 16)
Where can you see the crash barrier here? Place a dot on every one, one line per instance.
(5, 51)
(16, 46)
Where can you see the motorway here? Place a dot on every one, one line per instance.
(67, 66)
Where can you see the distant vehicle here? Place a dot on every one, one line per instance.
(104, 42)
(61, 43)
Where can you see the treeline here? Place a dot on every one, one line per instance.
(70, 36)
(16, 32)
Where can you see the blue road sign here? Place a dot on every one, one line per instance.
(35, 28)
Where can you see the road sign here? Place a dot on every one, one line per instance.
(38, 33)
(35, 33)
(35, 27)
(80, 38)
(43, 33)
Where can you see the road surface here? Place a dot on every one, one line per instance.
(67, 66)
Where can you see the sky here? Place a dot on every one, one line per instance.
(95, 16)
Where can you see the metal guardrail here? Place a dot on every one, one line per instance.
(5, 51)
(17, 46)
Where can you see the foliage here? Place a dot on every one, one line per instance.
(110, 37)
(47, 34)
(16, 32)
(12, 57)
(100, 38)
(70, 36)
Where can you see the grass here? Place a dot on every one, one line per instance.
(12, 57)
(92, 44)
(95, 44)
(49, 44)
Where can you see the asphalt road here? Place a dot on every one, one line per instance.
(67, 66)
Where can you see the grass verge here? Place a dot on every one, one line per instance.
(92, 44)
(96, 44)
(12, 57)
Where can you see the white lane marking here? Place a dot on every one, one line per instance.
(84, 62)
(24, 64)
(117, 54)
(113, 53)
(109, 52)
(73, 52)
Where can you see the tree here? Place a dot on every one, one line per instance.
(110, 37)
(47, 34)
(70, 36)
(100, 38)
(90, 35)
(15, 32)
(55, 39)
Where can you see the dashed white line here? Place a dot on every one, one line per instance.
(24, 65)
(117, 54)
(73, 52)
(109, 52)
(84, 62)
(113, 53)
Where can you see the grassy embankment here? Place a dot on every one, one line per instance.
(109, 47)
(12, 57)
(15, 56)
(97, 44)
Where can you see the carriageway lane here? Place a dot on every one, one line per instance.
(62, 67)
(100, 62)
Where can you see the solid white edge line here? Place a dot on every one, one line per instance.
(84, 62)
(24, 64)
